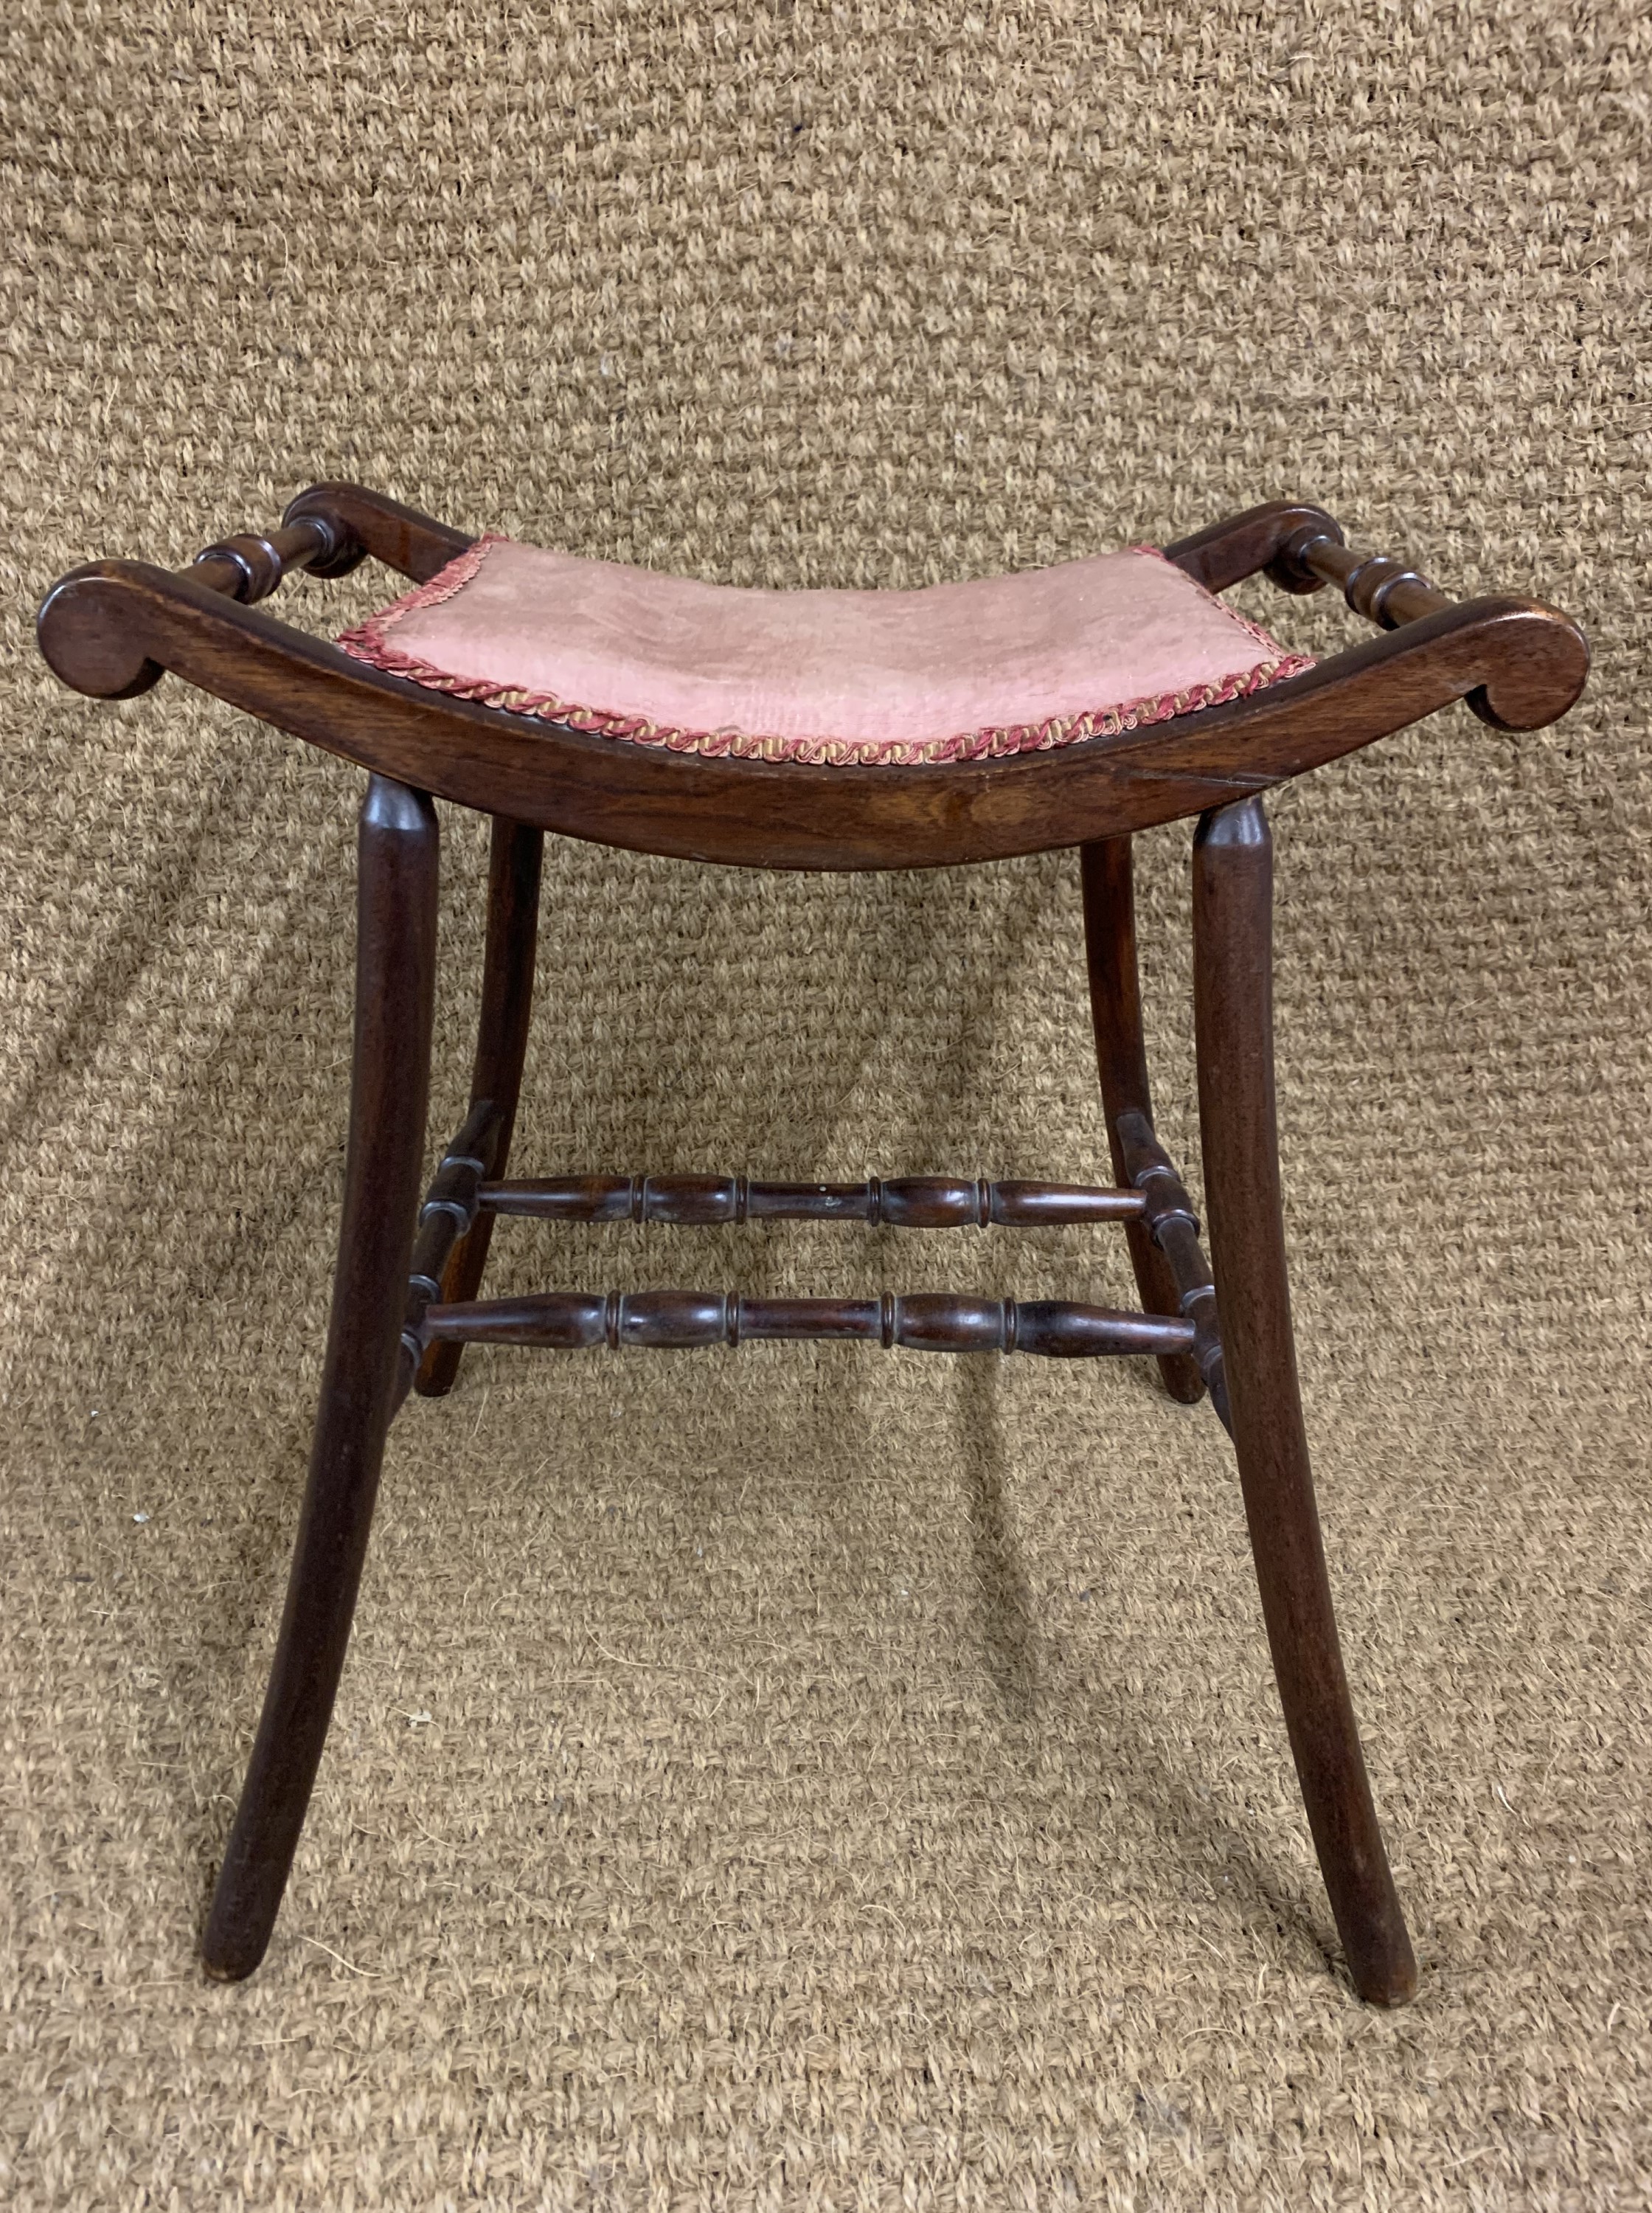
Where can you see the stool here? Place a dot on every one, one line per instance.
(1061, 708)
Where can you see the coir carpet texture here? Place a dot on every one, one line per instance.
(810, 1776)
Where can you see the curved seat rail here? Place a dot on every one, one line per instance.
(113, 628)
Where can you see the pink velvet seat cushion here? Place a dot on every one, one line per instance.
(957, 671)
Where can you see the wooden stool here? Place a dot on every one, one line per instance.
(623, 772)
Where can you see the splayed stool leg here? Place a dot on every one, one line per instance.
(1233, 956)
(395, 979)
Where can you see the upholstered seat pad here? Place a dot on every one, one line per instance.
(1007, 664)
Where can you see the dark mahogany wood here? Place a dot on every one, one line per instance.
(1106, 872)
(1385, 592)
(366, 523)
(1232, 997)
(395, 984)
(404, 1306)
(250, 567)
(449, 1216)
(1171, 1223)
(926, 1322)
(106, 628)
(1246, 545)
(512, 927)
(898, 1202)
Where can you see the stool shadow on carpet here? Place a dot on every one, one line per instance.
(1186, 1822)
